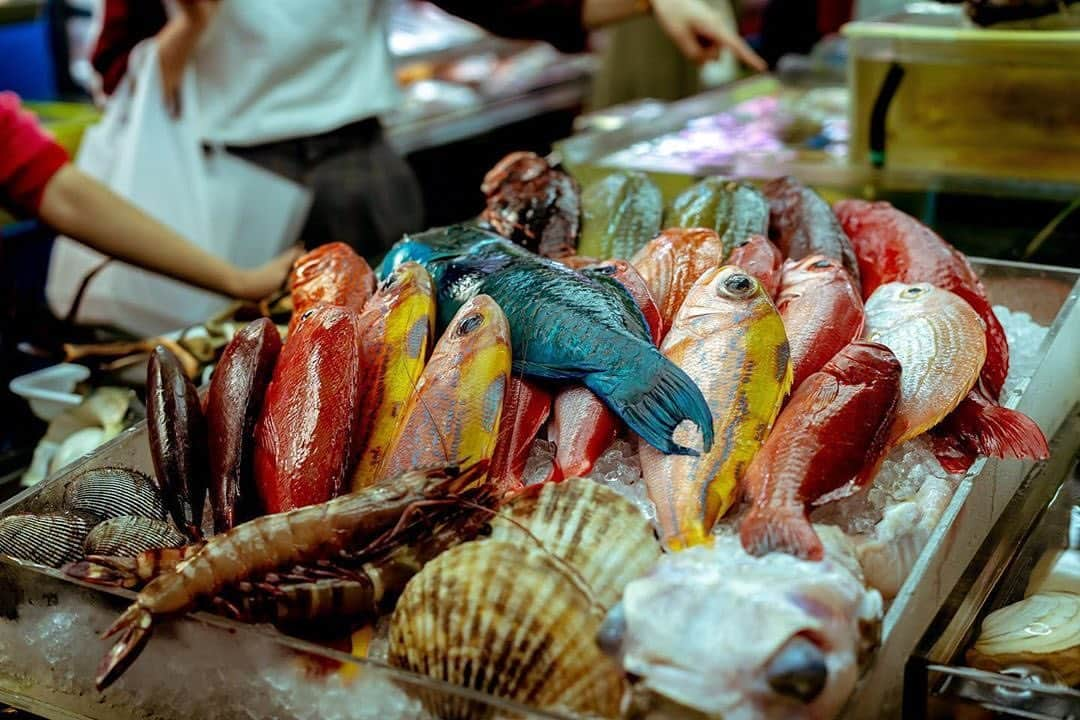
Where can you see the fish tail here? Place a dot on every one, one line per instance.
(777, 530)
(653, 398)
(990, 429)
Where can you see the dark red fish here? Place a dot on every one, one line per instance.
(801, 223)
(234, 404)
(821, 310)
(331, 274)
(303, 440)
(833, 429)
(760, 259)
(526, 408)
(892, 246)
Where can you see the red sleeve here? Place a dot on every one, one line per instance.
(28, 157)
(559, 22)
(124, 24)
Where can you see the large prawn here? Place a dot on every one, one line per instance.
(363, 522)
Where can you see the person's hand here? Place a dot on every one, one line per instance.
(258, 283)
(700, 32)
(177, 41)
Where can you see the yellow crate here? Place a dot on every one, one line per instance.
(1001, 103)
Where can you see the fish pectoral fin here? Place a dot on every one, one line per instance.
(653, 398)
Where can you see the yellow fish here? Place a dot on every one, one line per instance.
(452, 420)
(940, 343)
(398, 324)
(729, 339)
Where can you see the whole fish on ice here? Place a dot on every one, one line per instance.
(564, 326)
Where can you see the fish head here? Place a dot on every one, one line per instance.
(434, 245)
(895, 303)
(403, 309)
(721, 298)
(864, 362)
(724, 633)
(478, 325)
(812, 270)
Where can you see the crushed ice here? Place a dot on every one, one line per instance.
(1025, 338)
(620, 469)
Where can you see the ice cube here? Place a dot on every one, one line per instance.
(620, 469)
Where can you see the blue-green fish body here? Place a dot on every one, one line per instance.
(564, 326)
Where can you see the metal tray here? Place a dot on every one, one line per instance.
(49, 625)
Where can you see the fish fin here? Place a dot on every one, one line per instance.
(844, 491)
(987, 428)
(780, 530)
(950, 452)
(653, 409)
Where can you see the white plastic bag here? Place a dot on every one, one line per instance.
(226, 205)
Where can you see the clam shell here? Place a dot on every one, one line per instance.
(597, 531)
(53, 539)
(129, 535)
(504, 619)
(111, 492)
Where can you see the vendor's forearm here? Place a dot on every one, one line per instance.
(598, 13)
(84, 209)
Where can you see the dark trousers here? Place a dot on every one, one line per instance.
(365, 195)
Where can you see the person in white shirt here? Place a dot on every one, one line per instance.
(296, 86)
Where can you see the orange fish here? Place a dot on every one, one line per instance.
(940, 343)
(761, 259)
(452, 420)
(331, 274)
(673, 261)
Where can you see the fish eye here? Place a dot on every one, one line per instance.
(913, 292)
(604, 269)
(469, 324)
(737, 285)
(821, 264)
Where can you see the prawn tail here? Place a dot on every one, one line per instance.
(134, 626)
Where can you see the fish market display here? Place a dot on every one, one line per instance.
(533, 204)
(525, 411)
(822, 312)
(834, 425)
(461, 620)
(564, 326)
(397, 332)
(729, 338)
(452, 419)
(761, 260)
(303, 440)
(940, 344)
(178, 442)
(793, 632)
(894, 247)
(735, 210)
(331, 274)
(673, 261)
(1041, 630)
(620, 214)
(801, 223)
(233, 405)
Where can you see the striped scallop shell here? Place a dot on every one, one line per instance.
(506, 620)
(52, 539)
(600, 533)
(111, 492)
(129, 535)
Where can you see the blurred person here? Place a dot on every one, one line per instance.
(297, 87)
(38, 180)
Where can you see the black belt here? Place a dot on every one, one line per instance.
(361, 132)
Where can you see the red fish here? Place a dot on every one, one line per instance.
(892, 246)
(526, 408)
(331, 274)
(834, 426)
(303, 440)
(584, 427)
(760, 259)
(821, 310)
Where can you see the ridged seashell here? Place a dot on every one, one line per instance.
(111, 492)
(129, 535)
(53, 539)
(600, 533)
(507, 620)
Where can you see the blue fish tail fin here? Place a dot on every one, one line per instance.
(652, 398)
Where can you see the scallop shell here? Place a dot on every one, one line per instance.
(129, 535)
(111, 492)
(506, 620)
(601, 534)
(53, 539)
